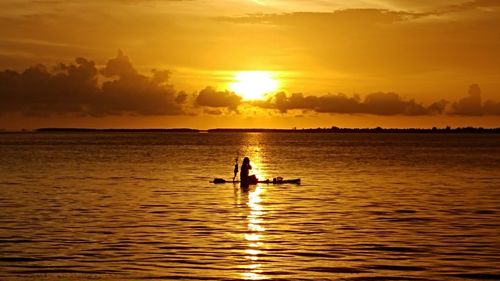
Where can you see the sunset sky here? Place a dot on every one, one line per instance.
(254, 63)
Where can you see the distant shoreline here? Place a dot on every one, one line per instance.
(446, 130)
(83, 130)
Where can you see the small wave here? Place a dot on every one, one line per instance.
(486, 212)
(187, 219)
(18, 259)
(16, 241)
(145, 179)
(396, 267)
(64, 271)
(181, 277)
(314, 254)
(277, 272)
(384, 278)
(143, 206)
(116, 178)
(158, 212)
(407, 219)
(100, 232)
(478, 276)
(10, 183)
(396, 249)
(405, 211)
(335, 269)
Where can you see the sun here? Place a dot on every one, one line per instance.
(253, 85)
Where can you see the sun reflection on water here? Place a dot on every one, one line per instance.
(253, 236)
(255, 230)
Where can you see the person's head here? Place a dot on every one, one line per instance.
(246, 161)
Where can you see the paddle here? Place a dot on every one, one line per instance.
(236, 166)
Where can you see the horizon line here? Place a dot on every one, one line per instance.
(257, 129)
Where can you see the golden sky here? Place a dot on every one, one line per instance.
(254, 63)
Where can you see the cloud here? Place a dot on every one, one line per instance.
(347, 18)
(475, 4)
(358, 41)
(376, 103)
(472, 105)
(393, 104)
(437, 5)
(416, 5)
(38, 91)
(213, 111)
(492, 107)
(119, 66)
(181, 97)
(82, 89)
(74, 89)
(210, 97)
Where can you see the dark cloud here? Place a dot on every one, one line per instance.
(472, 105)
(438, 107)
(339, 103)
(394, 104)
(210, 97)
(213, 111)
(181, 98)
(283, 103)
(492, 107)
(74, 89)
(375, 103)
(39, 91)
(136, 93)
(119, 67)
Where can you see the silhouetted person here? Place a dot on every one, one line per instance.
(245, 178)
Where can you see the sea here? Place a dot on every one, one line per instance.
(140, 206)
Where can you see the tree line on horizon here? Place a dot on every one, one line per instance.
(332, 129)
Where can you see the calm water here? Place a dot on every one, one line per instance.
(135, 206)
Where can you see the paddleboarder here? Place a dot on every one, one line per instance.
(245, 179)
